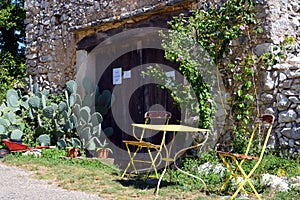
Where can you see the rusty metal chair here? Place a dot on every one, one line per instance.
(234, 161)
(151, 117)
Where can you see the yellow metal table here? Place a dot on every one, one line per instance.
(173, 128)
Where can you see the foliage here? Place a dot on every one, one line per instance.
(65, 120)
(11, 123)
(202, 40)
(197, 43)
(244, 76)
(12, 34)
(214, 179)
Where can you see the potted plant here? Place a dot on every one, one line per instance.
(104, 150)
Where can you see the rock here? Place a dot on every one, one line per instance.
(295, 87)
(32, 56)
(291, 133)
(282, 66)
(287, 116)
(289, 92)
(282, 77)
(270, 111)
(276, 183)
(283, 142)
(263, 48)
(268, 81)
(287, 84)
(294, 60)
(267, 98)
(282, 102)
(212, 168)
(293, 74)
(298, 109)
(294, 100)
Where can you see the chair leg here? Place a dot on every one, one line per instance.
(247, 180)
(153, 166)
(131, 162)
(241, 186)
(233, 173)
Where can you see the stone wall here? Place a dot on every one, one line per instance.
(54, 28)
(281, 83)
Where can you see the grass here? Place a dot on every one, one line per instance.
(92, 176)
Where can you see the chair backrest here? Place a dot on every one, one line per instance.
(155, 117)
(263, 120)
(163, 116)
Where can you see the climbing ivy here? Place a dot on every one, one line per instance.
(214, 29)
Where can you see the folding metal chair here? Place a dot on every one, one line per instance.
(235, 161)
(151, 117)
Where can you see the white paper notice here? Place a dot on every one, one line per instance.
(117, 76)
(171, 77)
(127, 74)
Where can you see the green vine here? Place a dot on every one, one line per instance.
(204, 40)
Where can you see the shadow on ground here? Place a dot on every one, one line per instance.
(143, 184)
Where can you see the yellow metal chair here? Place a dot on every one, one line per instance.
(234, 161)
(151, 117)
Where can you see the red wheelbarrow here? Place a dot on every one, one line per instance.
(17, 147)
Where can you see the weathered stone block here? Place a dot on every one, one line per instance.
(298, 109)
(282, 77)
(263, 48)
(269, 82)
(291, 133)
(282, 102)
(293, 74)
(295, 87)
(267, 98)
(287, 116)
(294, 99)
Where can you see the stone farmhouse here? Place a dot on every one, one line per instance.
(63, 38)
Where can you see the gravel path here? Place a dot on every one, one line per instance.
(16, 184)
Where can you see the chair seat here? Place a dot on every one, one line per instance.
(237, 155)
(141, 143)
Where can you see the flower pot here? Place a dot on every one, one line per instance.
(103, 153)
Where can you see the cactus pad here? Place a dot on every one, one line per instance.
(71, 86)
(85, 114)
(45, 92)
(96, 119)
(44, 140)
(12, 92)
(13, 99)
(62, 106)
(11, 117)
(75, 142)
(61, 144)
(16, 134)
(109, 131)
(2, 130)
(34, 102)
(4, 122)
(35, 88)
(72, 99)
(48, 112)
(78, 100)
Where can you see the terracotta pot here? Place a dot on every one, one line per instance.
(103, 153)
